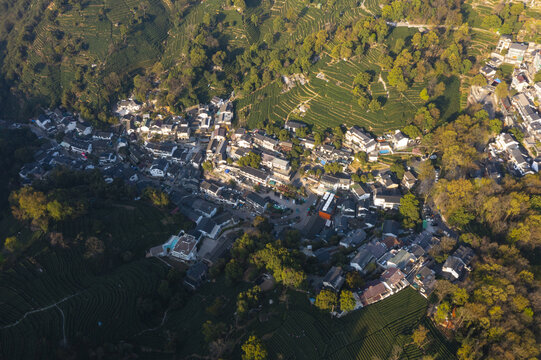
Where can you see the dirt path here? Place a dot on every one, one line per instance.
(380, 79)
(157, 327)
(428, 26)
(45, 308)
(302, 103)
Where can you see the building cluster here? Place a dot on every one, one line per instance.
(170, 152)
(521, 109)
(76, 142)
(395, 259)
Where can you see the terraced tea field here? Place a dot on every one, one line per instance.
(329, 101)
(53, 296)
(370, 333)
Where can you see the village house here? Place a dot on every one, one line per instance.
(76, 145)
(517, 158)
(348, 207)
(390, 228)
(504, 43)
(264, 141)
(334, 279)
(520, 81)
(210, 188)
(401, 259)
(399, 140)
(505, 141)
(367, 254)
(375, 293)
(423, 279)
(308, 143)
(353, 239)
(83, 128)
(125, 107)
(159, 168)
(107, 158)
(360, 140)
(184, 133)
(102, 135)
(359, 191)
(203, 207)
(516, 53)
(224, 115)
(458, 263)
(255, 175)
(161, 149)
(408, 180)
(208, 227)
(394, 280)
(334, 182)
(488, 71)
(195, 275)
(294, 125)
(387, 201)
(257, 202)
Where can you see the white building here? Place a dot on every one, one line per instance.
(399, 140)
(125, 107)
(516, 53)
(505, 141)
(360, 140)
(185, 247)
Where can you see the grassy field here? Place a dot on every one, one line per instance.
(101, 306)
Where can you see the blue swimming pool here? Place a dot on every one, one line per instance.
(170, 244)
(384, 152)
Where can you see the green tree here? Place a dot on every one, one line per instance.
(326, 300)
(424, 95)
(207, 166)
(442, 312)
(495, 125)
(363, 79)
(156, 197)
(419, 336)
(233, 271)
(12, 244)
(363, 102)
(479, 80)
(354, 280)
(240, 5)
(347, 301)
(212, 331)
(28, 203)
(409, 210)
(501, 90)
(398, 169)
(253, 349)
(374, 105)
(411, 131)
(58, 211)
(198, 57)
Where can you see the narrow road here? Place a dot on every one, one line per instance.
(45, 308)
